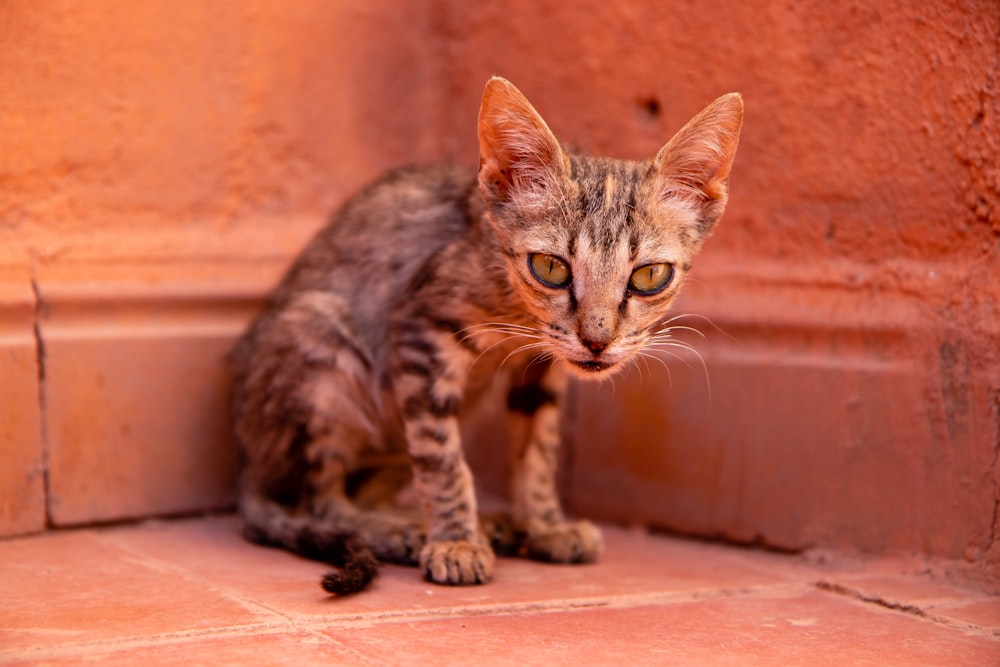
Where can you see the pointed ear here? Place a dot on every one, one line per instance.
(694, 166)
(519, 157)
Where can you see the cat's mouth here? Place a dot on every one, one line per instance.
(592, 366)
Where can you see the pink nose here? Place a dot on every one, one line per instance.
(594, 346)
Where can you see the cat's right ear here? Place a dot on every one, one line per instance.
(520, 159)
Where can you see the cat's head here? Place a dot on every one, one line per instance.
(597, 249)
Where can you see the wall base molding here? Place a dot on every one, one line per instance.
(822, 402)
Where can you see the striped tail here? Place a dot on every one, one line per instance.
(268, 523)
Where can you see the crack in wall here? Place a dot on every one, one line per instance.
(995, 469)
(40, 309)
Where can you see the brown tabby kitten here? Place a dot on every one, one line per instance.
(423, 288)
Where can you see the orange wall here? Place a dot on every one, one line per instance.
(128, 126)
(856, 401)
(160, 162)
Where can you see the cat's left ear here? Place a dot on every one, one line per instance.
(520, 159)
(694, 166)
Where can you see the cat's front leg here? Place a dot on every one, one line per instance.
(429, 383)
(533, 408)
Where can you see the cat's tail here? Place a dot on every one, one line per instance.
(269, 523)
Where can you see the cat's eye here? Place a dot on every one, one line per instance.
(549, 269)
(650, 279)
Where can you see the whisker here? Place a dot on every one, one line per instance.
(680, 327)
(545, 356)
(697, 355)
(703, 318)
(492, 326)
(683, 359)
(643, 377)
(647, 355)
(518, 350)
(664, 341)
(504, 339)
(666, 366)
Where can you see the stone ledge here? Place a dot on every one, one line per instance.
(826, 404)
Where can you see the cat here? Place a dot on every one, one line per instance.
(424, 289)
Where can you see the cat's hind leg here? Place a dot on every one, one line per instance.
(325, 524)
(348, 487)
(305, 410)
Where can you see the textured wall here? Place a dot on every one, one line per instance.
(161, 127)
(854, 399)
(178, 153)
(159, 164)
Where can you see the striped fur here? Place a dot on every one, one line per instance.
(349, 387)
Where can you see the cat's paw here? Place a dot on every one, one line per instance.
(457, 563)
(502, 533)
(575, 542)
(401, 544)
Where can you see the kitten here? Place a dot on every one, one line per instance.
(425, 286)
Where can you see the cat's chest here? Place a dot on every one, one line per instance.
(469, 360)
(502, 353)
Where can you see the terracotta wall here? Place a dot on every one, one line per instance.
(160, 162)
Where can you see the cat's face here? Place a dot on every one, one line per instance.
(597, 249)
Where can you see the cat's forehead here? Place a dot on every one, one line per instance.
(615, 216)
(603, 213)
(603, 199)
(607, 184)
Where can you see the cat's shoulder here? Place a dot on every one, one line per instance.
(419, 182)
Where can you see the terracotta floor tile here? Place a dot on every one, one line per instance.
(810, 629)
(984, 612)
(194, 592)
(901, 590)
(634, 564)
(75, 587)
(917, 594)
(297, 649)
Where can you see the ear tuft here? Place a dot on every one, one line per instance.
(519, 157)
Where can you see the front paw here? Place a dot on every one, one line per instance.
(576, 542)
(457, 563)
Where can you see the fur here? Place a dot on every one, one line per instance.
(352, 381)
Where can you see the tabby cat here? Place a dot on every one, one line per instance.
(430, 285)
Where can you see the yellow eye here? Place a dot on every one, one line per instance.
(549, 270)
(650, 279)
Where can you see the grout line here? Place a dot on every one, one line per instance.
(555, 605)
(549, 606)
(359, 655)
(103, 646)
(318, 626)
(165, 567)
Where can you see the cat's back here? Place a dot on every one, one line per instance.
(363, 265)
(383, 235)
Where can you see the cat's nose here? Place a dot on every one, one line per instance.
(595, 346)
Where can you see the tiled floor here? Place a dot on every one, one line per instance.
(193, 592)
